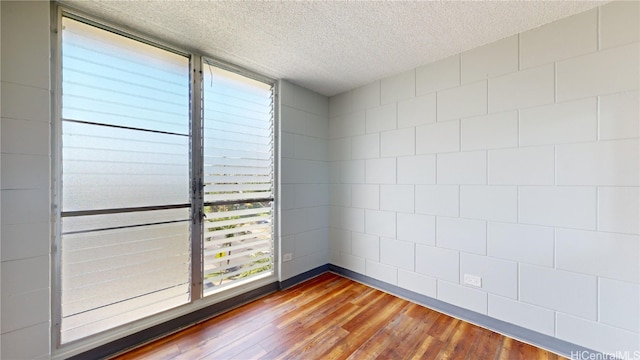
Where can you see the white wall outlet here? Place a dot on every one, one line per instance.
(287, 257)
(473, 280)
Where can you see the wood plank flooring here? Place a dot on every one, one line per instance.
(331, 317)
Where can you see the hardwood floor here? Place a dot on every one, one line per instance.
(331, 317)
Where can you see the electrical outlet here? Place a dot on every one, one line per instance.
(473, 280)
(287, 257)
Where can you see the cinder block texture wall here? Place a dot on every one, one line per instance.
(25, 181)
(304, 178)
(424, 169)
(517, 161)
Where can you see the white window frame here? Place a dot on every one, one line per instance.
(60, 351)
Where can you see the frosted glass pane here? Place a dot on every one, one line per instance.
(238, 136)
(105, 167)
(107, 272)
(114, 265)
(116, 314)
(111, 79)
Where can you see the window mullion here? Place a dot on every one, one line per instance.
(196, 177)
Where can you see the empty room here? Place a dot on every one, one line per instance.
(320, 180)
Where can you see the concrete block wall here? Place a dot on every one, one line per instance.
(304, 179)
(517, 161)
(25, 234)
(420, 184)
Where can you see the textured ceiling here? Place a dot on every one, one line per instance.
(330, 46)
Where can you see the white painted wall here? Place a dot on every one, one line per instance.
(517, 161)
(304, 130)
(25, 181)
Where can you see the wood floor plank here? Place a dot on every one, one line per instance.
(487, 345)
(338, 300)
(407, 340)
(318, 345)
(310, 308)
(372, 348)
(228, 348)
(457, 347)
(331, 317)
(160, 352)
(429, 348)
(253, 352)
(392, 335)
(443, 328)
(283, 340)
(313, 329)
(366, 324)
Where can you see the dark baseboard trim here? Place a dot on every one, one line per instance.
(304, 276)
(535, 338)
(171, 326)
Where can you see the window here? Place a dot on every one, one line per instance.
(238, 177)
(166, 180)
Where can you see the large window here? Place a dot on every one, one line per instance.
(166, 180)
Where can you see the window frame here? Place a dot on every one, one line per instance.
(196, 122)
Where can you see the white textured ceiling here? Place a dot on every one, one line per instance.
(330, 46)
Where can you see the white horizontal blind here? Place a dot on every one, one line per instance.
(238, 178)
(125, 245)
